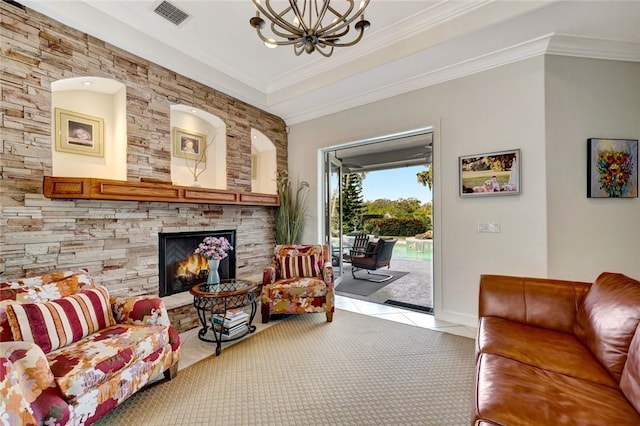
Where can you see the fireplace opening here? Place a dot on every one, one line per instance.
(180, 268)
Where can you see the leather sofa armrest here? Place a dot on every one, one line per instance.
(541, 302)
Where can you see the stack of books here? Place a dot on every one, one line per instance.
(231, 324)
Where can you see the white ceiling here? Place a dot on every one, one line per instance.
(410, 44)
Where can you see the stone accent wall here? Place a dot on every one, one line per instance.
(184, 318)
(117, 241)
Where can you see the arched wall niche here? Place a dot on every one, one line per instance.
(89, 97)
(263, 164)
(188, 121)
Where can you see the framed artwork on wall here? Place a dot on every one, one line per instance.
(189, 145)
(612, 168)
(77, 133)
(494, 173)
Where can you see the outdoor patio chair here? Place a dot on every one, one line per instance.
(359, 247)
(376, 256)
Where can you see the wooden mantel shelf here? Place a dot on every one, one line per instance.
(105, 189)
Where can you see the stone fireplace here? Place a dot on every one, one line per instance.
(117, 240)
(180, 268)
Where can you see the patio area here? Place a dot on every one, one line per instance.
(415, 288)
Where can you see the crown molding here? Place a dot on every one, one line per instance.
(301, 86)
(406, 29)
(554, 44)
(431, 27)
(594, 48)
(81, 15)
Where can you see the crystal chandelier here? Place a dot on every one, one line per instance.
(311, 25)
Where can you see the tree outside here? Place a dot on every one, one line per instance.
(404, 216)
(426, 177)
(353, 206)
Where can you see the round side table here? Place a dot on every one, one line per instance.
(218, 299)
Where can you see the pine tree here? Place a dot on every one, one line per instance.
(352, 202)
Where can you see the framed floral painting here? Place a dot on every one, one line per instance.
(612, 168)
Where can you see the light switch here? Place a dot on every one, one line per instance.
(489, 227)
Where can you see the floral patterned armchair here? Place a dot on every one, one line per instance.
(299, 280)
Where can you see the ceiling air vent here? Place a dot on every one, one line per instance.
(171, 13)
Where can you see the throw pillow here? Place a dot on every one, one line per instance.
(140, 310)
(607, 319)
(39, 289)
(57, 323)
(299, 266)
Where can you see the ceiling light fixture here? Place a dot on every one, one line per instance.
(311, 25)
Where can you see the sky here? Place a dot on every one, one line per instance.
(394, 184)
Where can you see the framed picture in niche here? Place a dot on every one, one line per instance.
(188, 144)
(77, 133)
(494, 173)
(612, 168)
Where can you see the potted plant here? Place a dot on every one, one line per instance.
(290, 214)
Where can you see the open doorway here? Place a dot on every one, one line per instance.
(356, 178)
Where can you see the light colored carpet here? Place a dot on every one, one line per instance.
(358, 370)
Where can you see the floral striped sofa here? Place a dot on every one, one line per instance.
(69, 353)
(298, 280)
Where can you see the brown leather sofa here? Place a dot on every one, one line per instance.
(553, 352)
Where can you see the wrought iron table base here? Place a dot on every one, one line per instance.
(208, 305)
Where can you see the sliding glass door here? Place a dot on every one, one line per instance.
(333, 209)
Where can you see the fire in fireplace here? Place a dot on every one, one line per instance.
(191, 267)
(181, 269)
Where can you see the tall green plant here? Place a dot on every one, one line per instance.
(290, 214)
(352, 204)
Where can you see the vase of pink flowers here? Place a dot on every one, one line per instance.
(214, 249)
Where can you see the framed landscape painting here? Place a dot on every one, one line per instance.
(188, 144)
(494, 173)
(612, 168)
(78, 133)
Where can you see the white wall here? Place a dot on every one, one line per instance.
(589, 98)
(490, 111)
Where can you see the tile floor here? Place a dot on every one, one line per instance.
(194, 349)
(405, 316)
